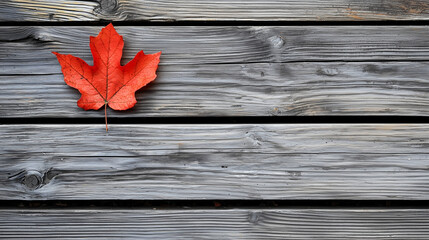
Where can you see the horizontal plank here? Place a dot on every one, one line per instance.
(28, 45)
(217, 161)
(216, 224)
(231, 71)
(200, 10)
(293, 89)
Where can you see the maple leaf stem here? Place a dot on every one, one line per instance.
(105, 116)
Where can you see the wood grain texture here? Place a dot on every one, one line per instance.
(266, 161)
(201, 10)
(231, 71)
(216, 224)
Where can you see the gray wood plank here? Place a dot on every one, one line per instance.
(220, 44)
(215, 161)
(200, 10)
(231, 71)
(215, 224)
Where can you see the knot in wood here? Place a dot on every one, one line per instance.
(254, 217)
(32, 180)
(107, 6)
(277, 41)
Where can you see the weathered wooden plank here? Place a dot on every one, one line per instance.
(293, 89)
(231, 71)
(265, 161)
(216, 224)
(219, 44)
(200, 10)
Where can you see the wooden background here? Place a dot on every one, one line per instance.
(256, 102)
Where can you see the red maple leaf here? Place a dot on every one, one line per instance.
(107, 82)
